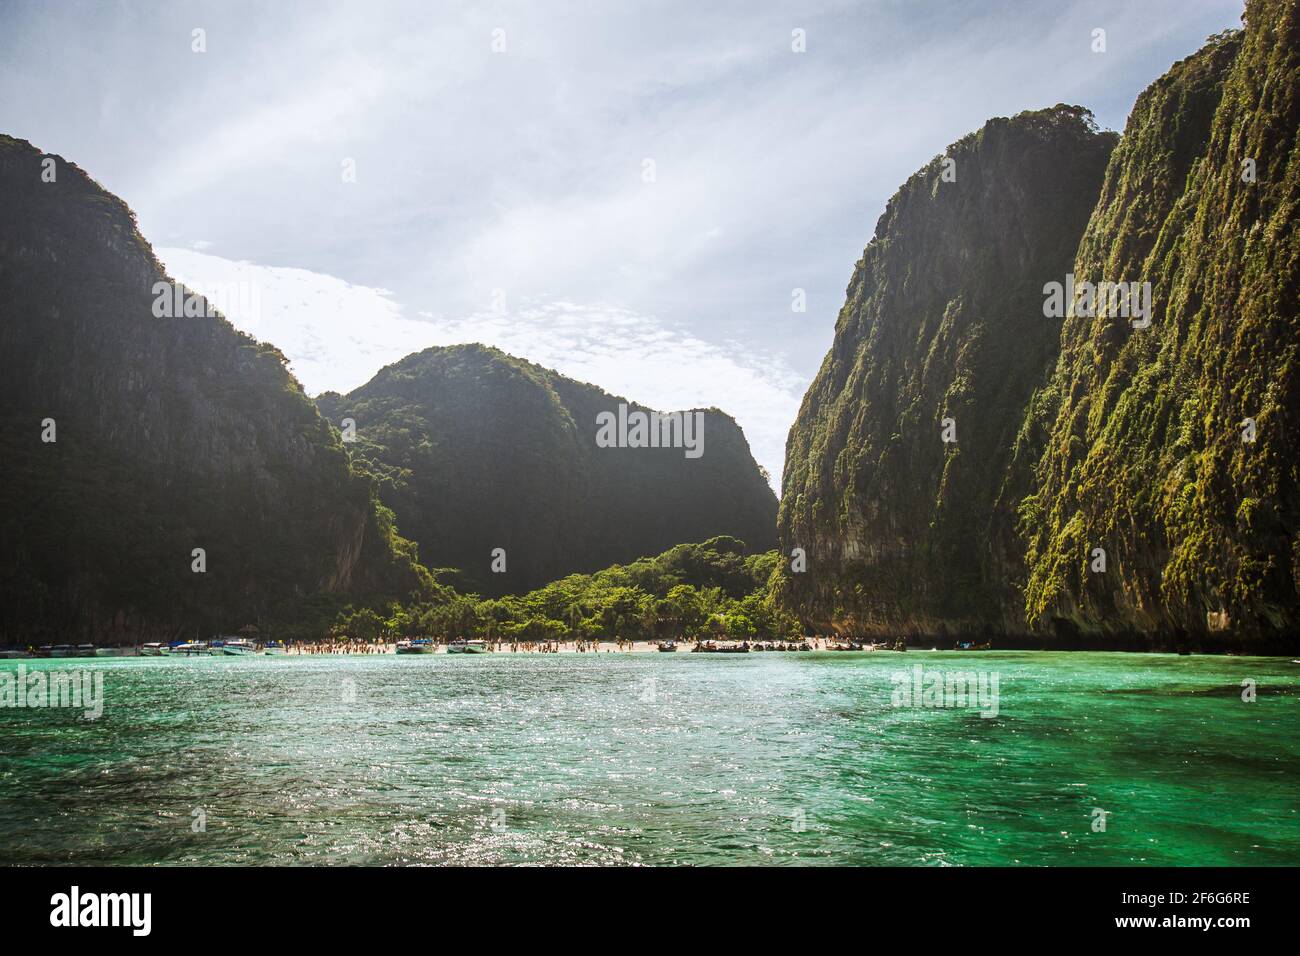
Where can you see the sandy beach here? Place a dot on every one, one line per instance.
(561, 647)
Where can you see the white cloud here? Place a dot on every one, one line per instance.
(337, 335)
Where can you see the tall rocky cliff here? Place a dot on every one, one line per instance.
(1174, 448)
(479, 450)
(942, 336)
(169, 435)
(1116, 478)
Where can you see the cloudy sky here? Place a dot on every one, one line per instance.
(626, 192)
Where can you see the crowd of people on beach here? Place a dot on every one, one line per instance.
(356, 646)
(340, 647)
(352, 646)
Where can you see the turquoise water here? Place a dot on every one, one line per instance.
(652, 759)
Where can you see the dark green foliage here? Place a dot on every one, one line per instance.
(1144, 455)
(713, 589)
(478, 450)
(172, 434)
(943, 319)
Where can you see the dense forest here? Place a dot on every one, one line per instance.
(718, 588)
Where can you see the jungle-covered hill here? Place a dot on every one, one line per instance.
(478, 450)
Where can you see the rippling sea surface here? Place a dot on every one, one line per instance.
(651, 759)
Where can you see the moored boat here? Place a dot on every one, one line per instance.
(667, 647)
(190, 649)
(238, 647)
(419, 645)
(15, 655)
(154, 650)
(63, 650)
(716, 647)
(274, 648)
(467, 647)
(84, 650)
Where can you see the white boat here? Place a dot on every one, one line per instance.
(154, 650)
(418, 646)
(468, 647)
(15, 655)
(63, 650)
(239, 647)
(191, 649)
(274, 648)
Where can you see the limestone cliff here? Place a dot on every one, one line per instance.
(942, 337)
(169, 434)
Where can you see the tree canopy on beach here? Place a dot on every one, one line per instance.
(711, 589)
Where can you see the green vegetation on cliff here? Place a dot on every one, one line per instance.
(477, 450)
(1144, 454)
(1111, 479)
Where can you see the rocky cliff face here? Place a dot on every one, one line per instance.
(169, 434)
(1122, 473)
(479, 450)
(942, 337)
(1173, 448)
